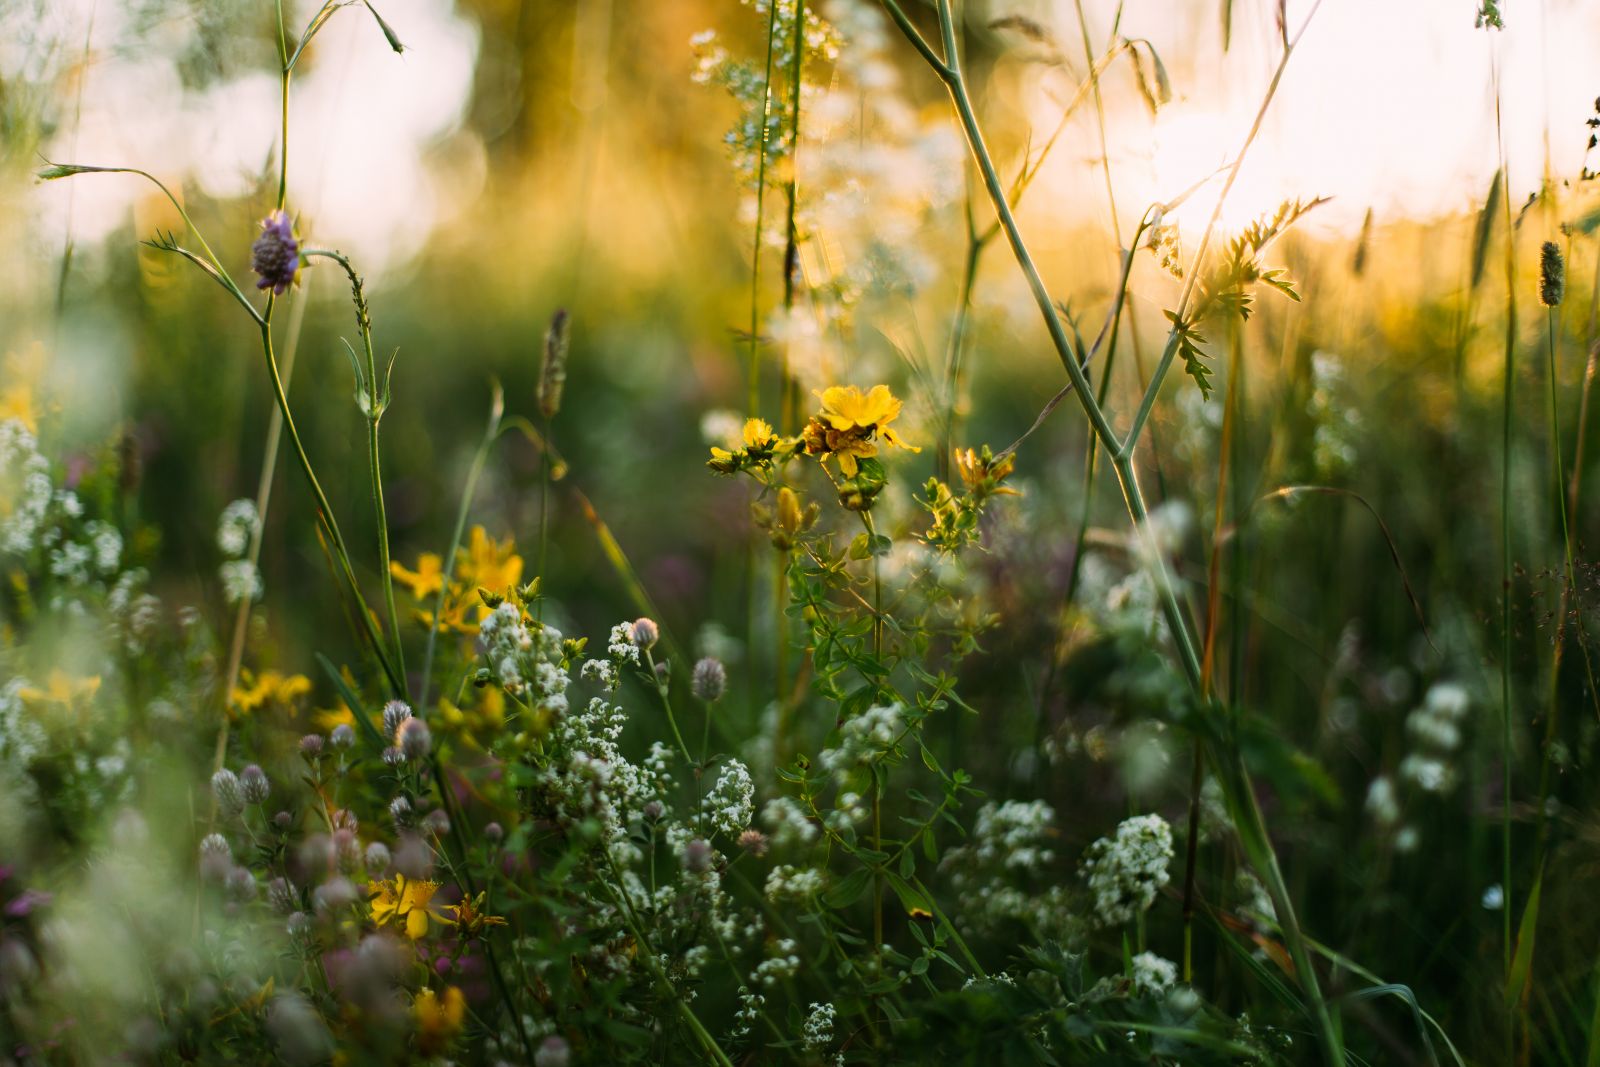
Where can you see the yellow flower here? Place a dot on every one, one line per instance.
(849, 422)
(406, 901)
(470, 917)
(61, 689)
(426, 580)
(438, 1019)
(268, 687)
(488, 564)
(16, 402)
(757, 432)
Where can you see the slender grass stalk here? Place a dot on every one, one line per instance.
(374, 403)
(1507, 391)
(1250, 823)
(491, 433)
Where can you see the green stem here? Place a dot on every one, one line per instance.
(496, 411)
(325, 511)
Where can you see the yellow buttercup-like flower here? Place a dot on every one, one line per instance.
(851, 423)
(438, 1019)
(407, 902)
(268, 687)
(426, 580)
(61, 689)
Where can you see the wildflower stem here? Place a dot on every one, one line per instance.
(497, 409)
(666, 703)
(1569, 578)
(325, 511)
(374, 404)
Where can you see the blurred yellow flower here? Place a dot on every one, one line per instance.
(61, 688)
(438, 1019)
(268, 687)
(849, 421)
(407, 902)
(487, 564)
(426, 580)
(16, 402)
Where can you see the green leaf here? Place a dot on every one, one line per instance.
(849, 889)
(353, 702)
(1522, 961)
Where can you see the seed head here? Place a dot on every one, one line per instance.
(1552, 274)
(394, 713)
(697, 856)
(276, 254)
(415, 740)
(646, 633)
(553, 374)
(230, 795)
(377, 857)
(254, 785)
(710, 680)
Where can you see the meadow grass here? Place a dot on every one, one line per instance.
(1256, 752)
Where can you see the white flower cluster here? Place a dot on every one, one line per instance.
(783, 964)
(1126, 871)
(236, 527)
(730, 804)
(621, 645)
(863, 739)
(1435, 730)
(25, 488)
(796, 884)
(750, 1005)
(787, 824)
(524, 658)
(1010, 842)
(818, 1031)
(1152, 975)
(22, 738)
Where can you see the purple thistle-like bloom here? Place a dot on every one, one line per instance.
(276, 254)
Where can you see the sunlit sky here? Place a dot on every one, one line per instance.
(1387, 104)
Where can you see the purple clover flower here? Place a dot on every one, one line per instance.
(276, 254)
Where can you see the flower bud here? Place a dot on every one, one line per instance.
(275, 256)
(436, 822)
(415, 740)
(710, 680)
(254, 785)
(394, 713)
(230, 795)
(553, 374)
(281, 895)
(646, 633)
(343, 736)
(311, 747)
(1552, 274)
(697, 856)
(377, 857)
(494, 833)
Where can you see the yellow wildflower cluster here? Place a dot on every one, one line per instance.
(484, 563)
(851, 423)
(257, 691)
